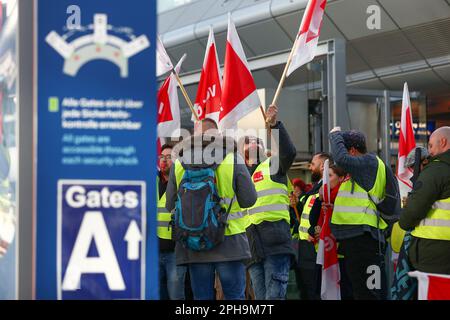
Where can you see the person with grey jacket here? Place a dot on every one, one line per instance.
(227, 258)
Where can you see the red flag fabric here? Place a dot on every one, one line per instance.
(406, 143)
(239, 94)
(168, 108)
(308, 36)
(327, 252)
(432, 286)
(209, 93)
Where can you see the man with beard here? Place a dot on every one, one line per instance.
(171, 276)
(269, 231)
(308, 270)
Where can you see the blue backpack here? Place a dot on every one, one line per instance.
(199, 220)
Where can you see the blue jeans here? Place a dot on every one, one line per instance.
(270, 277)
(171, 277)
(231, 275)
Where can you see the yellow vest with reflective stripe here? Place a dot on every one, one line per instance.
(273, 201)
(355, 207)
(237, 222)
(436, 225)
(164, 230)
(304, 220)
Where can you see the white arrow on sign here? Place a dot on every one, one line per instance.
(133, 237)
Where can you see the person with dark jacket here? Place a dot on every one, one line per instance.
(356, 222)
(210, 149)
(309, 271)
(171, 276)
(269, 230)
(427, 210)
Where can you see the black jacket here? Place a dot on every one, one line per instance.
(433, 184)
(272, 238)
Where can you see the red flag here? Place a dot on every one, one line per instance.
(406, 143)
(327, 252)
(308, 36)
(209, 93)
(432, 286)
(168, 108)
(239, 94)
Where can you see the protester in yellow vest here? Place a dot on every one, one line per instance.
(269, 230)
(427, 210)
(171, 276)
(356, 223)
(205, 149)
(309, 271)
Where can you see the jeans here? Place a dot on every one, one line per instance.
(231, 275)
(171, 277)
(270, 277)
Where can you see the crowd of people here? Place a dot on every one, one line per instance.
(270, 224)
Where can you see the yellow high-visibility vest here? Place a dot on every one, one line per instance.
(237, 222)
(273, 200)
(436, 225)
(354, 207)
(304, 220)
(164, 229)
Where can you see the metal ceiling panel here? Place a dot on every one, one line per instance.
(417, 81)
(413, 12)
(444, 72)
(221, 7)
(386, 49)
(431, 39)
(354, 62)
(351, 17)
(265, 37)
(167, 19)
(195, 52)
(194, 13)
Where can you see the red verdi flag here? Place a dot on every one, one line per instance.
(168, 108)
(406, 143)
(432, 286)
(308, 36)
(327, 252)
(239, 94)
(209, 93)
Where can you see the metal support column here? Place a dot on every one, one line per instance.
(334, 90)
(385, 120)
(25, 197)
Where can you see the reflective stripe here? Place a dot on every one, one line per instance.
(305, 216)
(163, 223)
(441, 205)
(303, 229)
(162, 210)
(361, 210)
(267, 208)
(235, 215)
(435, 223)
(270, 192)
(227, 201)
(358, 195)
